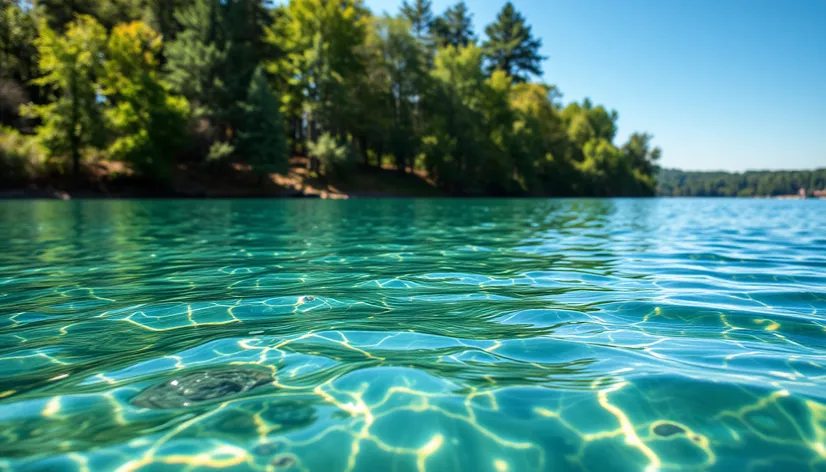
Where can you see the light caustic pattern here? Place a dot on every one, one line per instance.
(413, 335)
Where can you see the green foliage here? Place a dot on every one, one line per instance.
(213, 81)
(538, 136)
(195, 56)
(586, 122)
(18, 59)
(261, 141)
(21, 157)
(639, 153)
(398, 77)
(511, 47)
(147, 121)
(58, 13)
(212, 59)
(419, 14)
(675, 183)
(219, 151)
(325, 39)
(334, 155)
(454, 27)
(243, 23)
(12, 97)
(70, 64)
(161, 16)
(455, 130)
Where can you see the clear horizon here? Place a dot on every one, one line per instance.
(737, 85)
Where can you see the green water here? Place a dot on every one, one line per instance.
(413, 335)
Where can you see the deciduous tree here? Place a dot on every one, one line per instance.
(71, 64)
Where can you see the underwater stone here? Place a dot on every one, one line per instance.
(266, 449)
(283, 461)
(668, 429)
(199, 387)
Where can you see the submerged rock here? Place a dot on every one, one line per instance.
(283, 461)
(668, 429)
(199, 387)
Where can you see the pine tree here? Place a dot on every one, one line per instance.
(160, 14)
(195, 57)
(262, 140)
(454, 27)
(420, 16)
(243, 24)
(511, 47)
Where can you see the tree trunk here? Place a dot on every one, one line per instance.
(363, 145)
(310, 158)
(400, 167)
(74, 138)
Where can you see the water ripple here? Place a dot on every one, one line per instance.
(413, 335)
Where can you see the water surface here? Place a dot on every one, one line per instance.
(413, 335)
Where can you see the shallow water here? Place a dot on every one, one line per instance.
(404, 335)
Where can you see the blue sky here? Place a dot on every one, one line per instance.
(721, 84)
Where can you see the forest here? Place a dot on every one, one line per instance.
(160, 85)
(676, 183)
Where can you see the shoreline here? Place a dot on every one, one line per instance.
(31, 194)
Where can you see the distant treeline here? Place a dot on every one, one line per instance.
(159, 84)
(677, 183)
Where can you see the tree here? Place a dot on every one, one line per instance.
(325, 40)
(262, 141)
(70, 65)
(639, 153)
(212, 59)
(454, 27)
(18, 61)
(160, 15)
(242, 23)
(148, 122)
(59, 13)
(455, 139)
(603, 122)
(151, 82)
(420, 15)
(195, 57)
(511, 46)
(540, 140)
(400, 76)
(602, 168)
(587, 121)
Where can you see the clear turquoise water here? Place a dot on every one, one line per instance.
(413, 335)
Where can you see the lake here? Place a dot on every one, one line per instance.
(413, 335)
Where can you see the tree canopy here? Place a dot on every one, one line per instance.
(511, 47)
(454, 27)
(420, 15)
(676, 183)
(248, 83)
